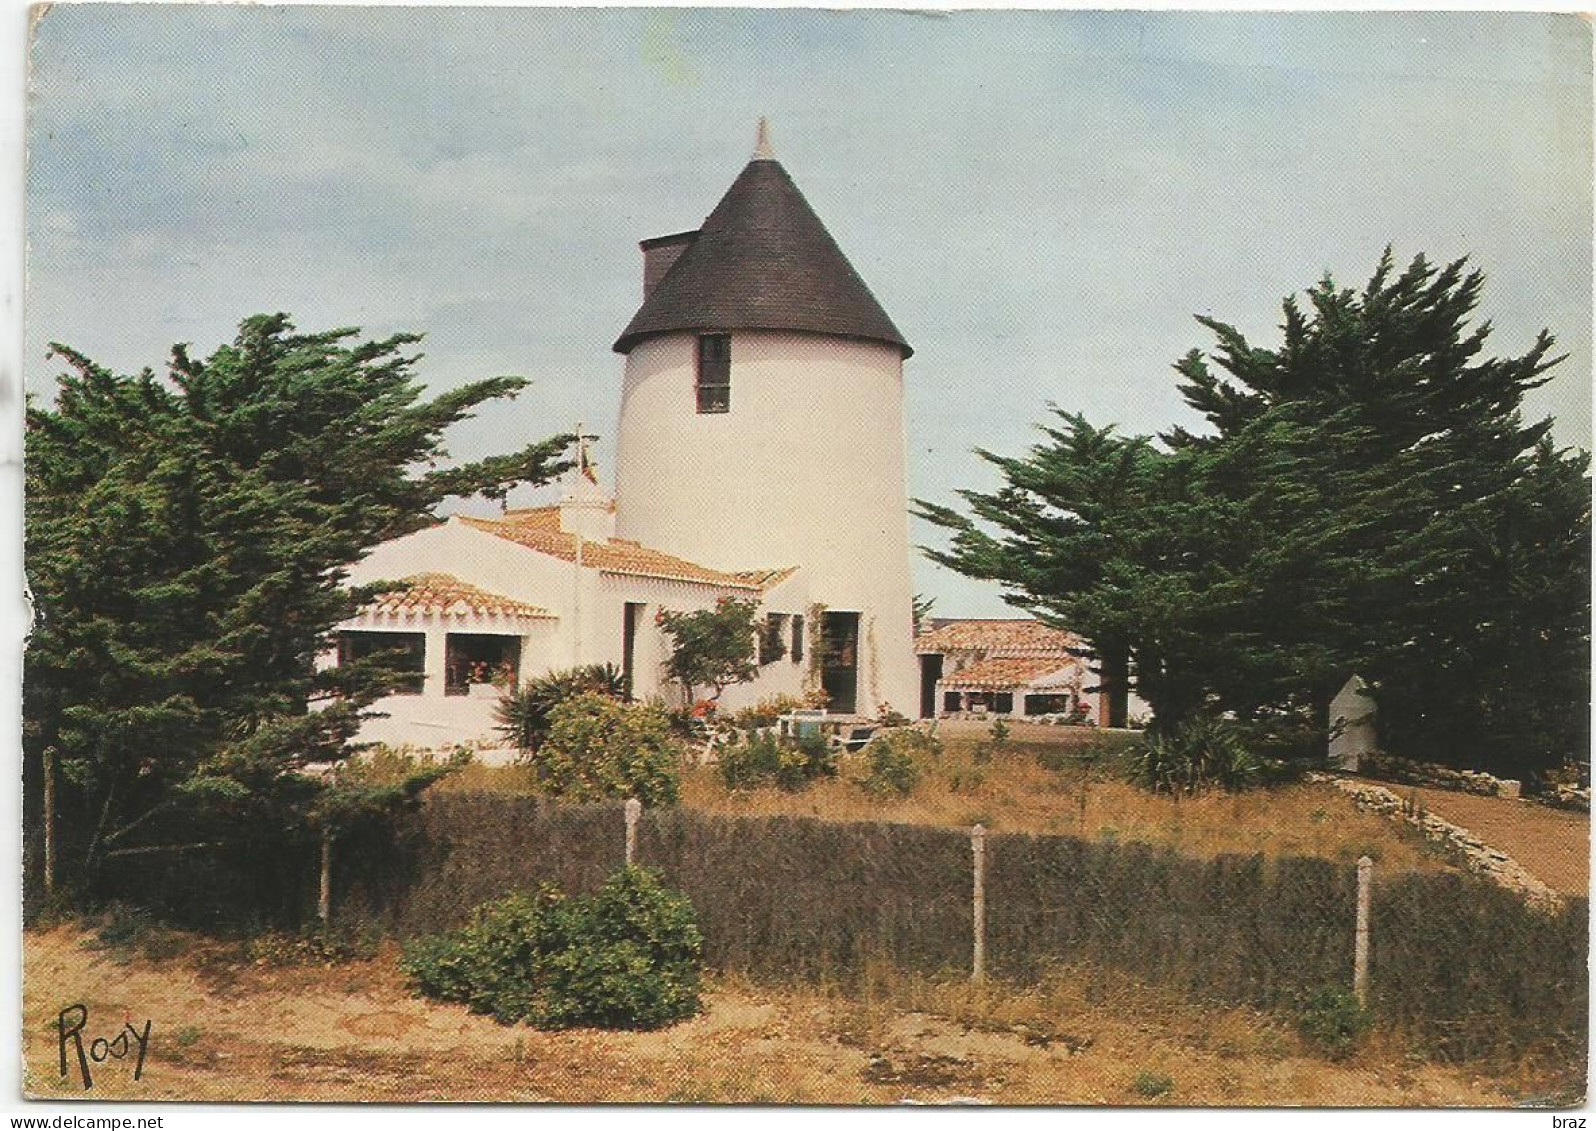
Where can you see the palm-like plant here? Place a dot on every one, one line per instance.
(523, 713)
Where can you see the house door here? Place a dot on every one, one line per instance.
(629, 646)
(930, 672)
(839, 666)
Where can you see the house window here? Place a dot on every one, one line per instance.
(772, 640)
(486, 662)
(403, 652)
(714, 373)
(797, 640)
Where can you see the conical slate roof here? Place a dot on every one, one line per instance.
(762, 261)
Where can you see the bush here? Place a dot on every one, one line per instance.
(767, 711)
(1334, 1022)
(887, 716)
(627, 957)
(523, 714)
(127, 932)
(763, 759)
(891, 762)
(1151, 1085)
(1105, 756)
(317, 946)
(598, 747)
(1201, 753)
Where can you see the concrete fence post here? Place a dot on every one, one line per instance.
(978, 902)
(634, 810)
(1360, 949)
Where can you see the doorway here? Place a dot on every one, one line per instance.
(839, 665)
(930, 673)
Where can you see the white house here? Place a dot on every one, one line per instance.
(1018, 667)
(760, 454)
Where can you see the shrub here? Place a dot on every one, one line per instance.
(317, 946)
(1105, 755)
(888, 716)
(1200, 753)
(891, 766)
(763, 759)
(523, 714)
(767, 711)
(627, 957)
(598, 747)
(1151, 1085)
(1334, 1022)
(127, 932)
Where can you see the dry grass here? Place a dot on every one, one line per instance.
(1014, 793)
(224, 1029)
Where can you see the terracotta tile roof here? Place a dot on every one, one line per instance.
(539, 529)
(1002, 674)
(1000, 637)
(445, 593)
(762, 261)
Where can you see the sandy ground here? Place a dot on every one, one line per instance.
(1553, 845)
(226, 1030)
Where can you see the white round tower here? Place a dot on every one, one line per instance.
(761, 424)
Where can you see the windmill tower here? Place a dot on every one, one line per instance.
(762, 423)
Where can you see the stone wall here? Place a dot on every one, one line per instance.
(1565, 797)
(1461, 845)
(1409, 772)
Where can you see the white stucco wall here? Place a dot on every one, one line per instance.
(587, 627)
(806, 469)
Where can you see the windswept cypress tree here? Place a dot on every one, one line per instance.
(185, 546)
(1367, 497)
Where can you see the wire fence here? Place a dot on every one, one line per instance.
(1464, 963)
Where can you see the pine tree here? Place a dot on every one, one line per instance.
(1366, 497)
(186, 545)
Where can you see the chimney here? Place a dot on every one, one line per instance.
(660, 254)
(585, 509)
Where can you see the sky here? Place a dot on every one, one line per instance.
(1042, 201)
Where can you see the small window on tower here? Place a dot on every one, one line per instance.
(714, 373)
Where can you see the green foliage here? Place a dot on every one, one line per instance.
(1200, 753)
(1333, 1021)
(317, 946)
(1366, 498)
(767, 712)
(996, 742)
(378, 785)
(892, 762)
(187, 1036)
(1104, 756)
(187, 539)
(598, 747)
(125, 932)
(1151, 1085)
(754, 760)
(627, 957)
(712, 647)
(523, 713)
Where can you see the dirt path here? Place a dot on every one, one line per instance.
(1553, 845)
(224, 1031)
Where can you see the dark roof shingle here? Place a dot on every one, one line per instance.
(762, 261)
